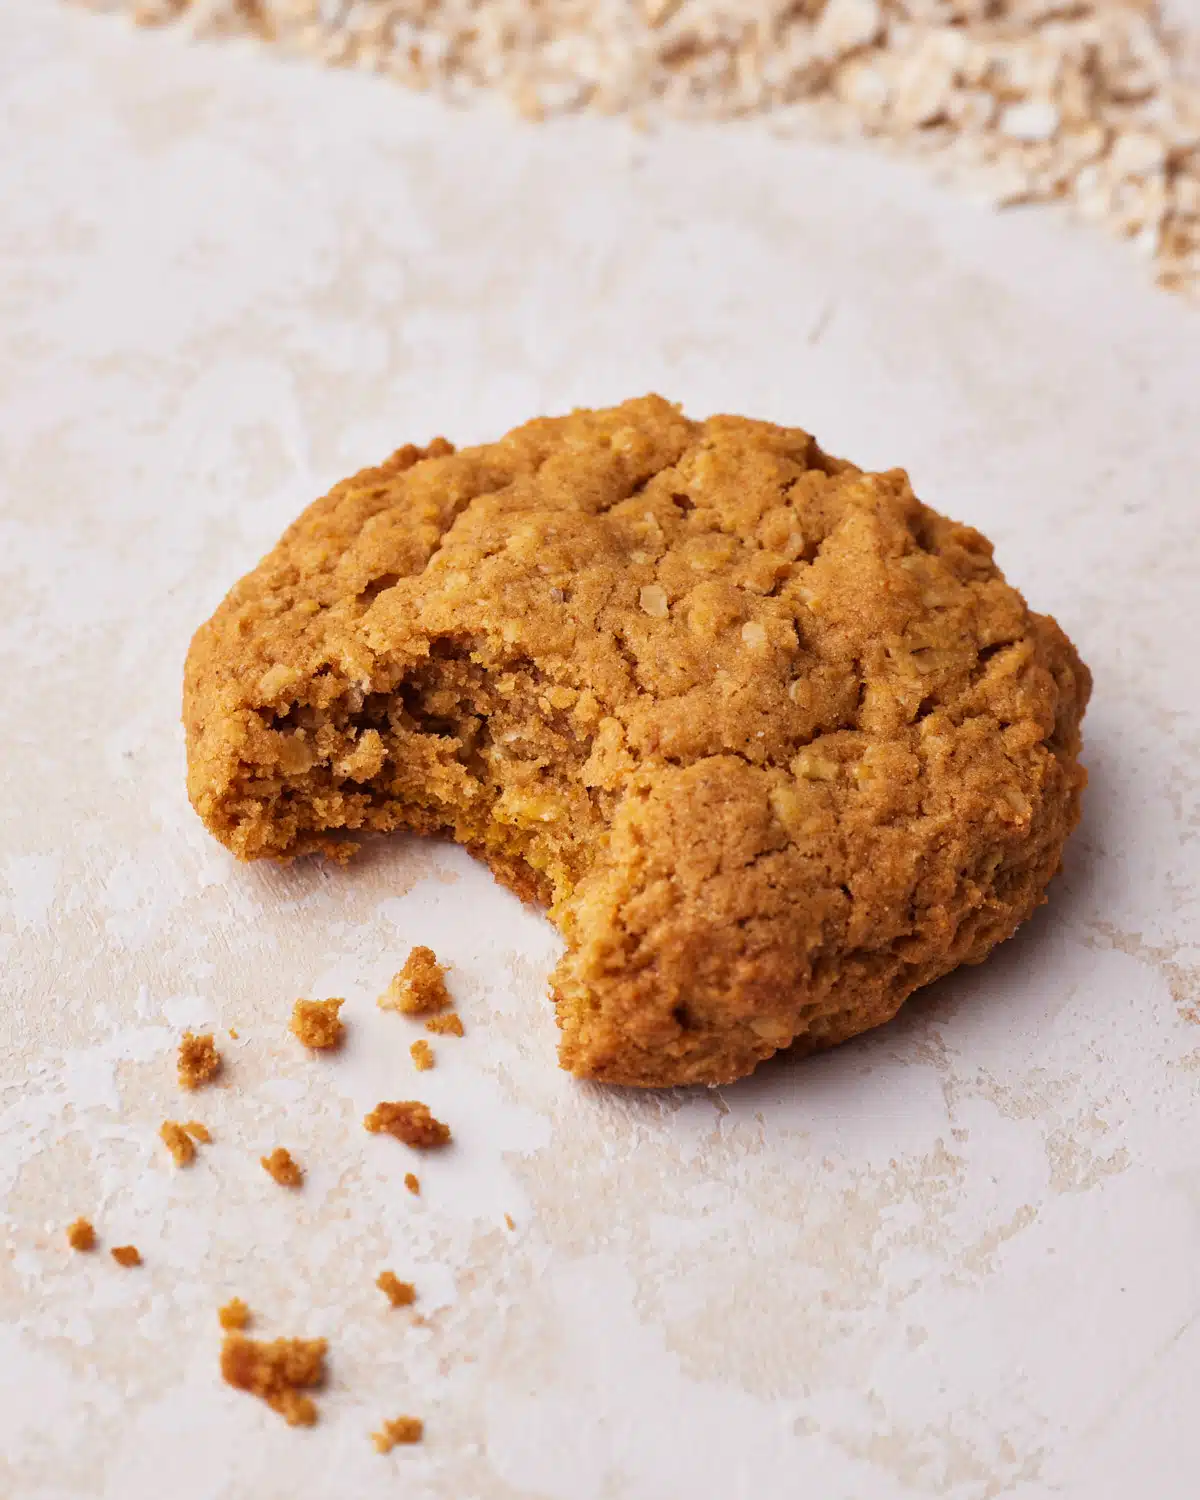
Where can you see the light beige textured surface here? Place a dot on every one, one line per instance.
(959, 1259)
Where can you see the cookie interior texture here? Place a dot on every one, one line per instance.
(773, 742)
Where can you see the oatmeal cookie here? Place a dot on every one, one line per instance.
(774, 743)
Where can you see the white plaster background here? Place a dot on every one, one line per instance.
(960, 1258)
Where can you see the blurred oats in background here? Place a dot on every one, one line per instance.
(1024, 101)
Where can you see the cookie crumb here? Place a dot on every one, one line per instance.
(399, 1293)
(276, 1372)
(419, 988)
(409, 1121)
(448, 1025)
(422, 1056)
(178, 1142)
(81, 1235)
(199, 1060)
(413, 1183)
(398, 1430)
(233, 1033)
(508, 1219)
(126, 1255)
(316, 1024)
(235, 1315)
(285, 1171)
(198, 1132)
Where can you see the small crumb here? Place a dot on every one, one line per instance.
(233, 1033)
(126, 1255)
(399, 1293)
(276, 1372)
(409, 1121)
(422, 1056)
(398, 1430)
(198, 1132)
(81, 1235)
(235, 1315)
(178, 1142)
(199, 1060)
(419, 988)
(448, 1025)
(285, 1171)
(413, 1183)
(508, 1219)
(316, 1023)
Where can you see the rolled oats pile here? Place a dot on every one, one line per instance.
(1095, 104)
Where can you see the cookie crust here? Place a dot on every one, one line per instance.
(774, 743)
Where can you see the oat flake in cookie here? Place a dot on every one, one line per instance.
(774, 743)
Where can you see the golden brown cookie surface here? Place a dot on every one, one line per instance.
(775, 743)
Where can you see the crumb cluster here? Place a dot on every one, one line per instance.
(282, 1371)
(278, 1372)
(399, 1293)
(419, 988)
(317, 1025)
(280, 1165)
(422, 1055)
(199, 1060)
(409, 1121)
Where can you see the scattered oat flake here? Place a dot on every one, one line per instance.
(653, 599)
(447, 1025)
(178, 1142)
(277, 1372)
(422, 1056)
(399, 1293)
(198, 1132)
(280, 1166)
(81, 1235)
(412, 1182)
(409, 1121)
(235, 1315)
(126, 1255)
(199, 1060)
(398, 1430)
(316, 1023)
(419, 988)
